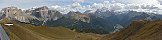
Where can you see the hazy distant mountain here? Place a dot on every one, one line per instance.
(97, 21)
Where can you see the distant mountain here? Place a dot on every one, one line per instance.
(82, 23)
(138, 30)
(44, 14)
(125, 17)
(99, 21)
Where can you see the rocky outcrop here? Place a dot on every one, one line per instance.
(79, 16)
(41, 14)
(11, 12)
(45, 14)
(1, 15)
(14, 13)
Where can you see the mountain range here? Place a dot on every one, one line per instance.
(101, 21)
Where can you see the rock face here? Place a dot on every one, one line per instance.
(44, 14)
(40, 14)
(78, 16)
(12, 12)
(16, 14)
(1, 15)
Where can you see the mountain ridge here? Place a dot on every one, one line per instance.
(138, 30)
(101, 22)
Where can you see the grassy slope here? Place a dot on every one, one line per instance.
(139, 30)
(20, 31)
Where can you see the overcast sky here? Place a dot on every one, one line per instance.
(31, 3)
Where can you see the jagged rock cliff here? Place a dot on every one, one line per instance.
(40, 14)
(44, 14)
(14, 13)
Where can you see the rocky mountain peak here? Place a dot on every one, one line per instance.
(44, 14)
(14, 13)
(11, 11)
(42, 8)
(79, 16)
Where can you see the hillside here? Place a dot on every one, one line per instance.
(21, 31)
(138, 30)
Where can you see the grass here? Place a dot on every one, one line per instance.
(21, 31)
(139, 30)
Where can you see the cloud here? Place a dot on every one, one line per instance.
(65, 6)
(138, 1)
(24, 4)
(79, 0)
(73, 7)
(110, 6)
(160, 1)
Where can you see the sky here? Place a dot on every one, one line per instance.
(32, 3)
(82, 5)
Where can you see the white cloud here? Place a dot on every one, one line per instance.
(160, 1)
(73, 7)
(81, 0)
(152, 7)
(138, 1)
(146, 5)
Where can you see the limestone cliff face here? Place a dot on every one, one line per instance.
(12, 12)
(79, 16)
(16, 14)
(41, 14)
(44, 14)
